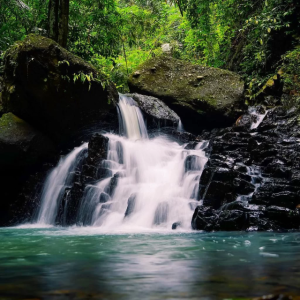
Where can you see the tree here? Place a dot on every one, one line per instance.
(58, 19)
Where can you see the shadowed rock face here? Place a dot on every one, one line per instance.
(203, 97)
(21, 145)
(40, 87)
(260, 168)
(23, 152)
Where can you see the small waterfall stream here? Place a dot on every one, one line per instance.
(152, 183)
(58, 180)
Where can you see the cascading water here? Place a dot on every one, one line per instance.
(152, 183)
(58, 180)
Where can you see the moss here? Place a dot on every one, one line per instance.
(200, 95)
(34, 43)
(10, 122)
(187, 82)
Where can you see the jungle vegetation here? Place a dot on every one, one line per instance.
(255, 38)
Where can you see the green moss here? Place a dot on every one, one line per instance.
(188, 83)
(9, 120)
(35, 42)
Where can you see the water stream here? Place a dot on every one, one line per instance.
(153, 182)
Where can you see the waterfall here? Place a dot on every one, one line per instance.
(153, 182)
(58, 180)
(131, 119)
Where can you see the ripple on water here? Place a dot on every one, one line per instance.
(160, 265)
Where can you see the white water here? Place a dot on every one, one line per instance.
(259, 117)
(152, 173)
(58, 180)
(153, 188)
(132, 122)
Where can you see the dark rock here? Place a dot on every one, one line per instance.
(214, 101)
(113, 184)
(176, 225)
(21, 145)
(98, 149)
(130, 205)
(204, 218)
(40, 87)
(244, 122)
(260, 168)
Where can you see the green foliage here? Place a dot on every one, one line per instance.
(254, 38)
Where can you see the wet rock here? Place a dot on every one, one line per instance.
(213, 101)
(244, 122)
(104, 198)
(176, 225)
(98, 149)
(260, 167)
(204, 218)
(130, 205)
(113, 184)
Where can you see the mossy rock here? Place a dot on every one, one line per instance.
(1, 106)
(203, 97)
(39, 87)
(21, 145)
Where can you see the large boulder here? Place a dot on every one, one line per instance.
(203, 97)
(22, 146)
(157, 113)
(55, 90)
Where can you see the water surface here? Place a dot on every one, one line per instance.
(85, 263)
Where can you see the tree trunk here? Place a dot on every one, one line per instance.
(53, 19)
(63, 23)
(58, 18)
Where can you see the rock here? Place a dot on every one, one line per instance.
(167, 48)
(21, 145)
(113, 184)
(130, 205)
(213, 101)
(157, 112)
(176, 225)
(41, 87)
(1, 104)
(204, 218)
(98, 149)
(252, 178)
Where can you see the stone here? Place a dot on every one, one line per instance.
(176, 225)
(215, 102)
(251, 180)
(21, 145)
(156, 112)
(41, 87)
(130, 205)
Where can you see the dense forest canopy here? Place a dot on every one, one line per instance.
(254, 38)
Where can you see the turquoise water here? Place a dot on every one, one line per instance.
(83, 263)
